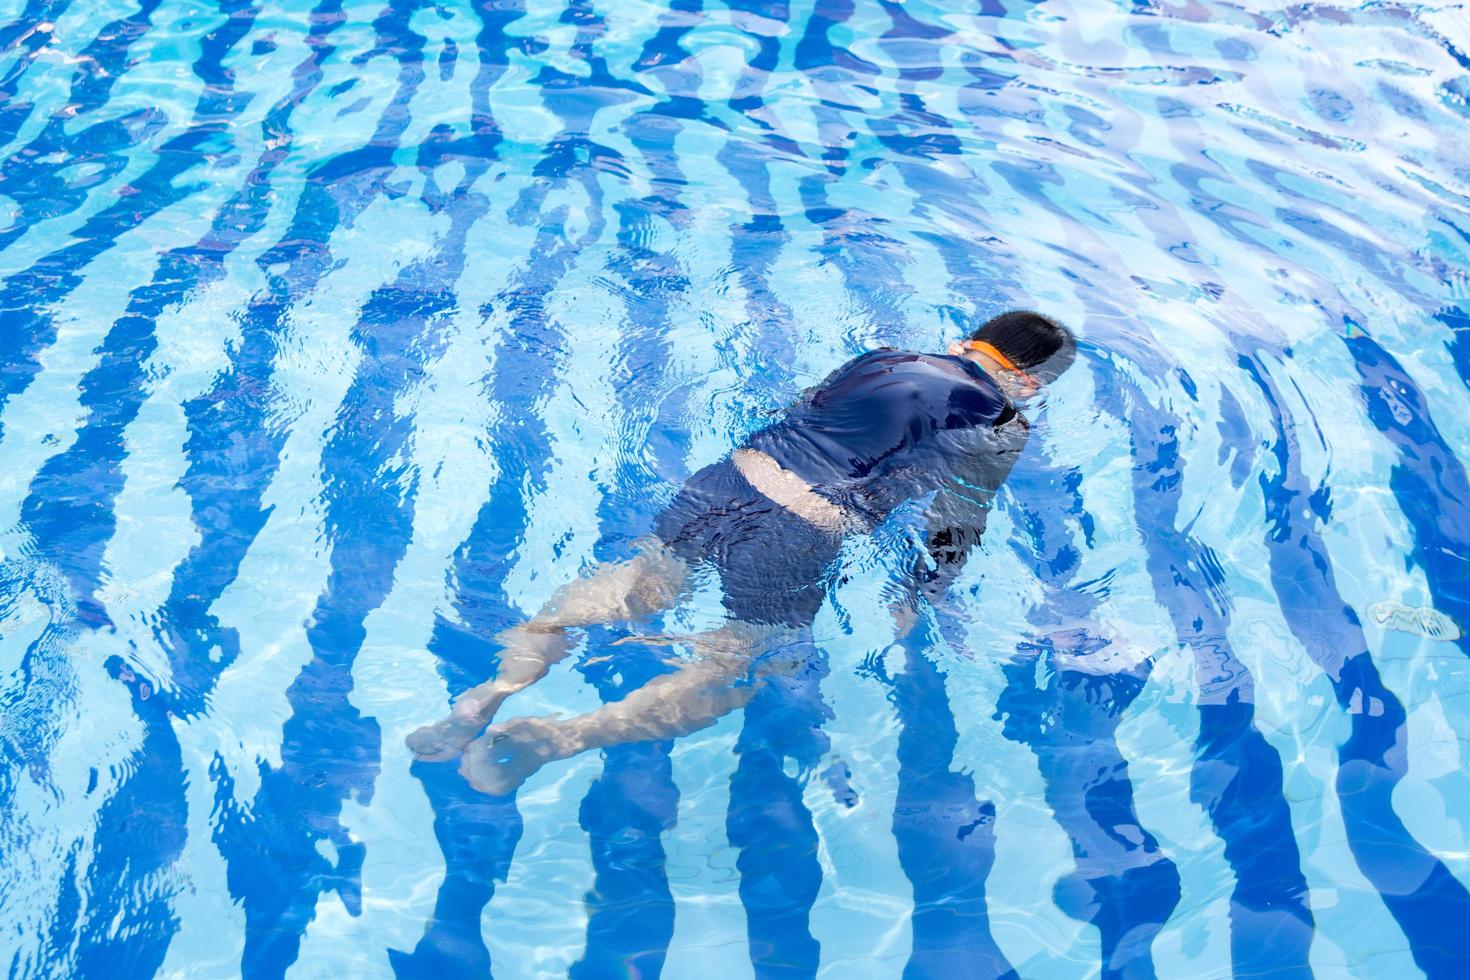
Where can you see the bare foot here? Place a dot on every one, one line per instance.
(446, 738)
(525, 656)
(510, 753)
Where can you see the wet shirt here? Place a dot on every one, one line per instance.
(892, 425)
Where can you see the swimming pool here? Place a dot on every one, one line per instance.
(336, 336)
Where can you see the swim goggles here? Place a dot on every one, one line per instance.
(993, 352)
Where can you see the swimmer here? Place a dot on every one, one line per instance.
(886, 428)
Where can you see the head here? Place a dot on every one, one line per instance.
(1022, 350)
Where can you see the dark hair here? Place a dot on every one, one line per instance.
(1029, 340)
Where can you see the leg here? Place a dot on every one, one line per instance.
(695, 696)
(651, 581)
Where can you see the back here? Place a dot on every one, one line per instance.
(883, 411)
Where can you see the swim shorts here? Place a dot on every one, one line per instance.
(773, 565)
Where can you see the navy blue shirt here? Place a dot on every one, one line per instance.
(890, 425)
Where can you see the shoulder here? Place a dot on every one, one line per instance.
(881, 357)
(889, 369)
(891, 360)
(960, 370)
(862, 368)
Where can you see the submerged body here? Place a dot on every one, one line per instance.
(888, 428)
(885, 428)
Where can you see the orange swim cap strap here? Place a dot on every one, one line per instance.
(992, 352)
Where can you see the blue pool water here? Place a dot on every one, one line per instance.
(334, 338)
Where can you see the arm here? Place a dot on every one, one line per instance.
(955, 519)
(953, 526)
